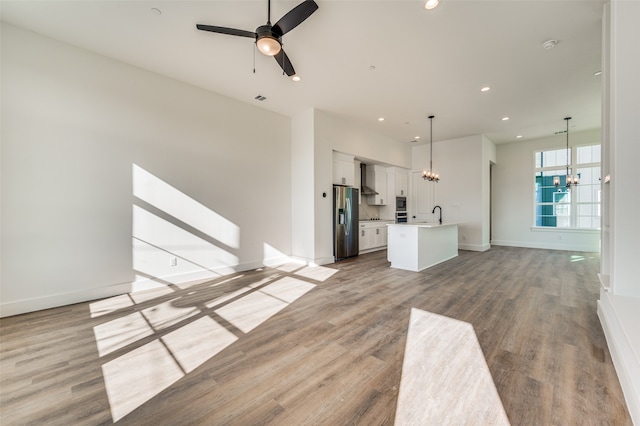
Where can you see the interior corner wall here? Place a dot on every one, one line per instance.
(513, 197)
(110, 173)
(332, 133)
(460, 190)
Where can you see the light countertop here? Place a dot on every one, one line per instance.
(426, 224)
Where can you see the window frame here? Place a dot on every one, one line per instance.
(573, 204)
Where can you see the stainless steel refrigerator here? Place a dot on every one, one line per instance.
(345, 222)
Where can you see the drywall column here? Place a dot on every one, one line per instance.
(624, 139)
(620, 294)
(302, 186)
(488, 158)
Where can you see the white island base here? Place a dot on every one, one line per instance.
(419, 245)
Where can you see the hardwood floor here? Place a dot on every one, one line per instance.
(319, 345)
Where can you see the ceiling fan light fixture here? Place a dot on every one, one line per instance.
(268, 46)
(431, 4)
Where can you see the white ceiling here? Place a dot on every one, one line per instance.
(426, 62)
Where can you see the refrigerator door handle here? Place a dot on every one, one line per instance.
(348, 227)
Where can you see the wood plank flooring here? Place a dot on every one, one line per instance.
(327, 349)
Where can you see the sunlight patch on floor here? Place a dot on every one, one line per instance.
(445, 378)
(192, 352)
(255, 308)
(137, 376)
(318, 273)
(168, 313)
(145, 371)
(120, 332)
(107, 306)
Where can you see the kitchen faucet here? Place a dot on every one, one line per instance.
(434, 210)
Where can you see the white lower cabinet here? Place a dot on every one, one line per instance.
(373, 235)
(366, 242)
(380, 237)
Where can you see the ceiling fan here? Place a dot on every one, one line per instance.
(268, 37)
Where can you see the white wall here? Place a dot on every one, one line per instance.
(619, 302)
(463, 165)
(303, 197)
(330, 133)
(513, 197)
(335, 134)
(109, 171)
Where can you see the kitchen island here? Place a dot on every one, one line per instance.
(420, 245)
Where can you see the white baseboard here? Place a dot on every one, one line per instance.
(85, 295)
(62, 299)
(624, 350)
(324, 260)
(371, 250)
(547, 246)
(474, 247)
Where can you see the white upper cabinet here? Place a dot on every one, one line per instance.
(343, 169)
(398, 180)
(402, 183)
(377, 180)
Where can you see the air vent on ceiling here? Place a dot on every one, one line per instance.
(260, 98)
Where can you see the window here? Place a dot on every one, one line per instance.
(578, 207)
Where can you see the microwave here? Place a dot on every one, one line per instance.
(401, 204)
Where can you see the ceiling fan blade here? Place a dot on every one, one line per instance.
(283, 60)
(295, 17)
(224, 30)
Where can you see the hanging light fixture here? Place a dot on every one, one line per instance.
(571, 180)
(431, 175)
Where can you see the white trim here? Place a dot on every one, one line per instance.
(546, 245)
(62, 299)
(555, 229)
(623, 346)
(474, 247)
(323, 261)
(372, 249)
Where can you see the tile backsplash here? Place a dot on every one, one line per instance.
(367, 212)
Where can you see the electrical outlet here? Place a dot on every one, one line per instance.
(173, 261)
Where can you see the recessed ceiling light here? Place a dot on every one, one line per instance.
(417, 137)
(431, 4)
(381, 119)
(485, 89)
(549, 44)
(597, 73)
(296, 77)
(505, 118)
(519, 137)
(156, 11)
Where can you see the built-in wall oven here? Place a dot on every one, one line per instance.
(401, 209)
(401, 217)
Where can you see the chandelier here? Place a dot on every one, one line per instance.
(571, 180)
(431, 175)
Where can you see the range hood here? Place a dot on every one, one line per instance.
(365, 190)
